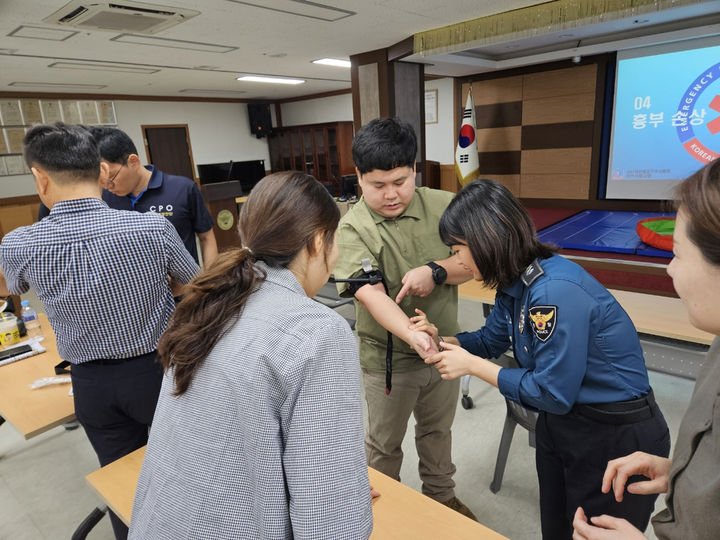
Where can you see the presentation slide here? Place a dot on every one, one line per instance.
(666, 119)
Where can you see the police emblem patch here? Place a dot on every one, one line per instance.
(544, 320)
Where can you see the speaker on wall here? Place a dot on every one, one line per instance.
(260, 120)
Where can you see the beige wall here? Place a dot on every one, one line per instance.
(218, 132)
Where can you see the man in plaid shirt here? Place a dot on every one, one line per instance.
(102, 276)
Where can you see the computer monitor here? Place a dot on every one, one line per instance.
(248, 173)
(348, 185)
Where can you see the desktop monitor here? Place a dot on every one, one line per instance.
(348, 186)
(248, 173)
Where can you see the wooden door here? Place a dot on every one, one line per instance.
(168, 149)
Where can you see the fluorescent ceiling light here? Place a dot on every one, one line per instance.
(102, 67)
(57, 85)
(333, 62)
(35, 32)
(172, 43)
(211, 92)
(274, 80)
(303, 8)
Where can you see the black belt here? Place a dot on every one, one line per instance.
(62, 366)
(620, 412)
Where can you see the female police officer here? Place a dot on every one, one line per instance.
(580, 359)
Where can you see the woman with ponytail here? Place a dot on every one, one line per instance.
(258, 430)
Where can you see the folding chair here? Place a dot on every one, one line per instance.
(329, 297)
(515, 415)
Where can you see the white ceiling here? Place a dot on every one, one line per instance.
(260, 40)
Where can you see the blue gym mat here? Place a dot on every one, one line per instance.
(602, 230)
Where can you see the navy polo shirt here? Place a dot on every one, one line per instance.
(175, 197)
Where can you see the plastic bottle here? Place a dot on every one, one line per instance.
(30, 318)
(9, 332)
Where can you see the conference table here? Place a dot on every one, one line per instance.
(35, 411)
(400, 513)
(651, 314)
(670, 343)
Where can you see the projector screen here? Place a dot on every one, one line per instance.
(666, 117)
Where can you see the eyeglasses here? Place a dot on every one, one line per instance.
(111, 181)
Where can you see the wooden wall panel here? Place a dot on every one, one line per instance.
(565, 135)
(499, 139)
(448, 178)
(559, 125)
(551, 110)
(499, 115)
(499, 162)
(510, 181)
(560, 161)
(496, 90)
(554, 186)
(560, 82)
(12, 217)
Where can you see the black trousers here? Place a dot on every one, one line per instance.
(115, 402)
(572, 453)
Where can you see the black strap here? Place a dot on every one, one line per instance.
(372, 278)
(62, 368)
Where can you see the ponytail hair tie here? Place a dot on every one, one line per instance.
(249, 251)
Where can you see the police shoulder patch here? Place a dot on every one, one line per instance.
(544, 321)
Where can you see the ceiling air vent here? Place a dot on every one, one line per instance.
(130, 17)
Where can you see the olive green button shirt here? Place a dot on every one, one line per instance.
(395, 246)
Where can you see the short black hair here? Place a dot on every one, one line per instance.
(496, 228)
(384, 144)
(62, 148)
(115, 145)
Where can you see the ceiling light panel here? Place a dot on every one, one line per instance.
(200, 91)
(96, 66)
(272, 80)
(47, 34)
(172, 43)
(302, 8)
(332, 62)
(57, 86)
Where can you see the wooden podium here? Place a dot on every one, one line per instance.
(220, 198)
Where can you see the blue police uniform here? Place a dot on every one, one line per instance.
(582, 367)
(175, 197)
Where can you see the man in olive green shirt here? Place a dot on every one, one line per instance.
(395, 227)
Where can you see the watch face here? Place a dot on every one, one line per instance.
(439, 275)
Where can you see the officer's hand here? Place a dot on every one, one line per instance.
(452, 362)
(656, 468)
(420, 323)
(603, 528)
(416, 282)
(423, 344)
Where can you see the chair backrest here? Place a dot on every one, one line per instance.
(522, 415)
(329, 297)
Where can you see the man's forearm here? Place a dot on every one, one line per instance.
(385, 311)
(208, 247)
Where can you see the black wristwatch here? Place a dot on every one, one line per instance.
(439, 274)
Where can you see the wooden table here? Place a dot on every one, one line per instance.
(33, 412)
(399, 513)
(651, 314)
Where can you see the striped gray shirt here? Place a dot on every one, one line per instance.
(101, 274)
(267, 442)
